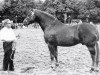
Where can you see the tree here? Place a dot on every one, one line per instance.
(81, 8)
(18, 8)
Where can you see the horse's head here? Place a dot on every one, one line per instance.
(30, 18)
(43, 18)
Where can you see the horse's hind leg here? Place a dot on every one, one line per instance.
(94, 51)
(53, 54)
(97, 56)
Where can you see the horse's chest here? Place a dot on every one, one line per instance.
(50, 37)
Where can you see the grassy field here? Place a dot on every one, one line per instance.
(32, 56)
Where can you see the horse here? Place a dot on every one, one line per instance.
(57, 34)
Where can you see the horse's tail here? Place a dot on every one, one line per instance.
(98, 52)
(97, 34)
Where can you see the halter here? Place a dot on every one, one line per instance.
(32, 12)
(12, 54)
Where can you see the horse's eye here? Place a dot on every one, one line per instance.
(28, 15)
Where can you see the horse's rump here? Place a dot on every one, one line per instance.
(88, 33)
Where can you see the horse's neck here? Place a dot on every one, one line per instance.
(46, 22)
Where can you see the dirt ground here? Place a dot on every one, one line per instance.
(32, 56)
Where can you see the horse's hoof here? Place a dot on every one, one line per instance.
(57, 65)
(53, 68)
(94, 70)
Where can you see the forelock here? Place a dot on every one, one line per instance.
(33, 11)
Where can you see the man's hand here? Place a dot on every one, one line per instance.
(3, 40)
(14, 45)
(18, 36)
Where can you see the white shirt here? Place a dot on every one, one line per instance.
(7, 34)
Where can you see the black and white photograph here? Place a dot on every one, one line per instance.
(49, 37)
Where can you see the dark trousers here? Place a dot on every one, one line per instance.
(8, 56)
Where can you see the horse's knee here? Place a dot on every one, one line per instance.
(92, 52)
(51, 56)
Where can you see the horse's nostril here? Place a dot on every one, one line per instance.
(25, 23)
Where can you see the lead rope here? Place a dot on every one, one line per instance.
(12, 54)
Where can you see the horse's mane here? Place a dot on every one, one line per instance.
(46, 14)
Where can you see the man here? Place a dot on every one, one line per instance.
(9, 44)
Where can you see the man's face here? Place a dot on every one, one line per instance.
(8, 25)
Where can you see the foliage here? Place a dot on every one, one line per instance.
(20, 8)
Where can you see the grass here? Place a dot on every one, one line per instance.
(32, 56)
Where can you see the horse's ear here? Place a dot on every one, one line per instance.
(34, 10)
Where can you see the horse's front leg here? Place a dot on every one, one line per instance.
(53, 54)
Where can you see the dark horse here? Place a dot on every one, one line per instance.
(58, 34)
